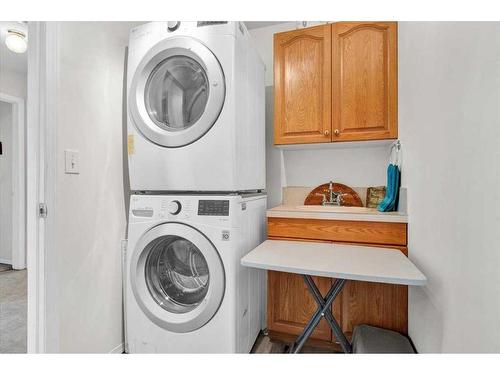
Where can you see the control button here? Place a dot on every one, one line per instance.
(173, 25)
(174, 207)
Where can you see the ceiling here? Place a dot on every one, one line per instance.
(257, 24)
(10, 61)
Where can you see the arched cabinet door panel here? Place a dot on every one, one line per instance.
(302, 84)
(365, 88)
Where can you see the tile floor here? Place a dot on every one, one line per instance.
(13, 311)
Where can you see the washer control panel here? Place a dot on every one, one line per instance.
(180, 208)
(218, 207)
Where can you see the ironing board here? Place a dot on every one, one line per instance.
(342, 262)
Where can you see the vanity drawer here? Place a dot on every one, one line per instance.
(369, 232)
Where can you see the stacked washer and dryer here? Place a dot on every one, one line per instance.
(196, 153)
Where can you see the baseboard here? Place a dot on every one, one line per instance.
(5, 261)
(118, 349)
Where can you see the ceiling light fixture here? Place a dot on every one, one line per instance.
(16, 41)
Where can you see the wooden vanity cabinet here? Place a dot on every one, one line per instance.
(290, 305)
(336, 82)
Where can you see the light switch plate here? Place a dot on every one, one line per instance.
(71, 162)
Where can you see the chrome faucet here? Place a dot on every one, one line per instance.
(334, 199)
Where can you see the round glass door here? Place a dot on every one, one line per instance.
(177, 274)
(177, 92)
(177, 277)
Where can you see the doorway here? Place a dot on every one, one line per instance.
(13, 274)
(12, 182)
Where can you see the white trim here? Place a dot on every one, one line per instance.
(5, 261)
(117, 349)
(35, 264)
(124, 292)
(18, 234)
(47, 189)
(41, 169)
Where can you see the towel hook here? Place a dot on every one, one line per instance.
(396, 146)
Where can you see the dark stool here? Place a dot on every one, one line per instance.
(368, 339)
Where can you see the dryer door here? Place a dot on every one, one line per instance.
(177, 277)
(177, 92)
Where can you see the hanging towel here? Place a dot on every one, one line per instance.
(398, 186)
(391, 194)
(390, 201)
(389, 190)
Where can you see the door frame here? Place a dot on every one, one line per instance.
(18, 197)
(40, 187)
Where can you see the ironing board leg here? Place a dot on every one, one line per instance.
(323, 310)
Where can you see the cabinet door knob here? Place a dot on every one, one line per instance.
(337, 132)
(327, 132)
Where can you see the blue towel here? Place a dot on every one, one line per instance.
(396, 183)
(392, 190)
(388, 190)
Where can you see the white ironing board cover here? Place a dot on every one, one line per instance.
(350, 262)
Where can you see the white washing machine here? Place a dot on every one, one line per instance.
(186, 291)
(195, 108)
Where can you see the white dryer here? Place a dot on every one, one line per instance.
(186, 291)
(195, 108)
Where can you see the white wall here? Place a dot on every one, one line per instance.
(12, 83)
(6, 183)
(263, 41)
(449, 124)
(90, 206)
(363, 166)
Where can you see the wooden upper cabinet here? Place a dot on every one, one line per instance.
(336, 82)
(365, 88)
(302, 84)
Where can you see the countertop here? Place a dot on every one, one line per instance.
(337, 213)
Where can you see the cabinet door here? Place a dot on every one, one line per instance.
(290, 305)
(364, 97)
(377, 304)
(302, 84)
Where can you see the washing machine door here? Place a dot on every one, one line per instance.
(177, 92)
(177, 277)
